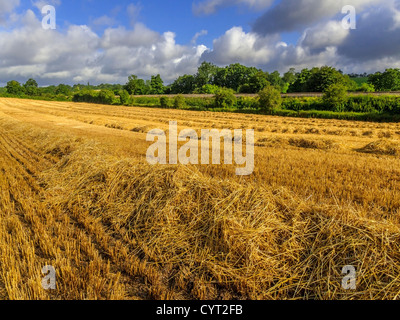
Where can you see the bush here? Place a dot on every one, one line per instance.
(124, 97)
(244, 103)
(164, 102)
(224, 98)
(366, 87)
(106, 97)
(269, 99)
(335, 97)
(179, 102)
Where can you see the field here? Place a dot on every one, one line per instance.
(77, 193)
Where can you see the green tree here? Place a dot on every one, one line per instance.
(106, 97)
(136, 86)
(207, 89)
(234, 76)
(63, 89)
(205, 74)
(301, 82)
(269, 99)
(124, 97)
(256, 83)
(183, 85)
(31, 87)
(275, 79)
(290, 76)
(224, 98)
(156, 85)
(387, 81)
(14, 87)
(335, 97)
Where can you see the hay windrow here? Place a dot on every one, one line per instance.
(382, 147)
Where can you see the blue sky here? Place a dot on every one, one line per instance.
(106, 41)
(176, 16)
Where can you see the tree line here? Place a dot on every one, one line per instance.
(209, 78)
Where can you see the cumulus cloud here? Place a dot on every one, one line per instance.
(211, 6)
(292, 15)
(81, 55)
(238, 46)
(6, 7)
(325, 35)
(377, 35)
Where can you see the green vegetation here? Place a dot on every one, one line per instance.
(335, 97)
(224, 98)
(387, 81)
(269, 99)
(222, 83)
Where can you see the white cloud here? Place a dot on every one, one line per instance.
(80, 55)
(238, 46)
(325, 35)
(7, 7)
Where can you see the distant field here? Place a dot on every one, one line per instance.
(76, 193)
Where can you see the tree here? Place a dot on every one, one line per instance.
(207, 89)
(205, 74)
(14, 87)
(335, 97)
(387, 81)
(124, 97)
(183, 85)
(106, 97)
(136, 86)
(224, 98)
(269, 99)
(301, 82)
(319, 79)
(256, 83)
(322, 78)
(290, 76)
(63, 89)
(234, 76)
(31, 87)
(156, 85)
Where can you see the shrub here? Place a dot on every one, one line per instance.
(164, 102)
(269, 99)
(247, 103)
(335, 97)
(106, 97)
(179, 102)
(366, 87)
(224, 98)
(124, 97)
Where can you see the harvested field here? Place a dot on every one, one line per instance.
(77, 193)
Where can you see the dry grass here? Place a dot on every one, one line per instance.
(81, 198)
